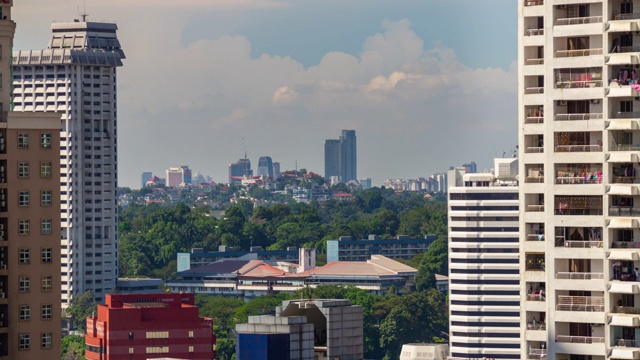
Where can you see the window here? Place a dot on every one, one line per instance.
(25, 341)
(130, 350)
(46, 255)
(45, 169)
(23, 198)
(191, 334)
(157, 349)
(45, 226)
(46, 340)
(23, 140)
(45, 140)
(25, 312)
(190, 348)
(25, 284)
(157, 334)
(47, 283)
(23, 227)
(23, 169)
(45, 197)
(46, 311)
(25, 256)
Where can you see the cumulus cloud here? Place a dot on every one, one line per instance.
(416, 110)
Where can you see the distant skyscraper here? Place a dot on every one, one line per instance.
(76, 77)
(265, 166)
(238, 170)
(276, 170)
(340, 157)
(471, 168)
(145, 177)
(365, 183)
(186, 174)
(178, 175)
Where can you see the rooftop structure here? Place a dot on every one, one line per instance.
(424, 352)
(197, 257)
(76, 77)
(139, 286)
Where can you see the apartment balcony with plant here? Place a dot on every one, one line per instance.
(590, 141)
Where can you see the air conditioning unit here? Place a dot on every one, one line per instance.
(561, 102)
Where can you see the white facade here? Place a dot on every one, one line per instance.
(579, 142)
(76, 76)
(484, 280)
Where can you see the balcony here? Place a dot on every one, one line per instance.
(580, 339)
(578, 148)
(626, 211)
(579, 20)
(534, 262)
(580, 303)
(535, 174)
(537, 353)
(571, 117)
(534, 119)
(534, 208)
(624, 316)
(577, 53)
(625, 349)
(534, 2)
(534, 90)
(625, 245)
(534, 32)
(578, 84)
(619, 90)
(580, 244)
(534, 149)
(537, 297)
(578, 205)
(534, 61)
(579, 275)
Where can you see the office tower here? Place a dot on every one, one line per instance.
(484, 280)
(340, 157)
(365, 183)
(146, 176)
(178, 175)
(276, 170)
(238, 170)
(265, 167)
(471, 167)
(76, 77)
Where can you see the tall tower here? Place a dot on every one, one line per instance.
(484, 277)
(579, 192)
(76, 77)
(348, 156)
(265, 167)
(331, 158)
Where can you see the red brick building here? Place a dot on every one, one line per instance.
(149, 326)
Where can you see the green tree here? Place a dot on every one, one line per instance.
(434, 261)
(81, 307)
(73, 347)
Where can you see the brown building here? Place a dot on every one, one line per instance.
(29, 221)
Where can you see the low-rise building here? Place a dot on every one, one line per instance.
(197, 257)
(402, 247)
(149, 326)
(139, 286)
(424, 352)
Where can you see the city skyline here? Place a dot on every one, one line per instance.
(285, 97)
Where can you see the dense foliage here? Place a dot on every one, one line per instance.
(151, 235)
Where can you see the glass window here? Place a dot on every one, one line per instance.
(45, 226)
(24, 284)
(25, 312)
(25, 341)
(45, 169)
(23, 198)
(23, 140)
(47, 283)
(46, 256)
(45, 197)
(23, 227)
(45, 140)
(25, 256)
(46, 311)
(46, 340)
(23, 169)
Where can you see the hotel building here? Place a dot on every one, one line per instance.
(484, 276)
(76, 77)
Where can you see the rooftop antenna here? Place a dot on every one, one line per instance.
(84, 14)
(246, 165)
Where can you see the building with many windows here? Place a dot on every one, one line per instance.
(402, 247)
(76, 77)
(149, 326)
(177, 176)
(578, 141)
(484, 275)
(341, 157)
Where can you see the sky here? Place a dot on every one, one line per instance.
(426, 84)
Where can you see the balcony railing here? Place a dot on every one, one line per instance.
(534, 179)
(576, 53)
(534, 61)
(536, 326)
(578, 148)
(534, 208)
(536, 297)
(578, 84)
(625, 179)
(627, 343)
(537, 353)
(624, 211)
(580, 339)
(534, 149)
(580, 303)
(535, 237)
(562, 180)
(569, 211)
(579, 276)
(533, 32)
(625, 147)
(626, 310)
(562, 242)
(534, 120)
(625, 244)
(534, 90)
(579, 20)
(585, 116)
(628, 49)
(626, 115)
(533, 2)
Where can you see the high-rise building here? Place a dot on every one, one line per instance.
(265, 166)
(146, 176)
(238, 170)
(484, 280)
(149, 326)
(276, 170)
(177, 176)
(341, 157)
(76, 77)
(578, 144)
(471, 167)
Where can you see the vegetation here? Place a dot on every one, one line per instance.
(81, 307)
(73, 347)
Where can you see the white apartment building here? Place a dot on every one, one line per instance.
(76, 76)
(579, 136)
(484, 275)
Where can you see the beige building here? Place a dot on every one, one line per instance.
(29, 221)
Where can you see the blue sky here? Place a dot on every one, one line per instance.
(425, 84)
